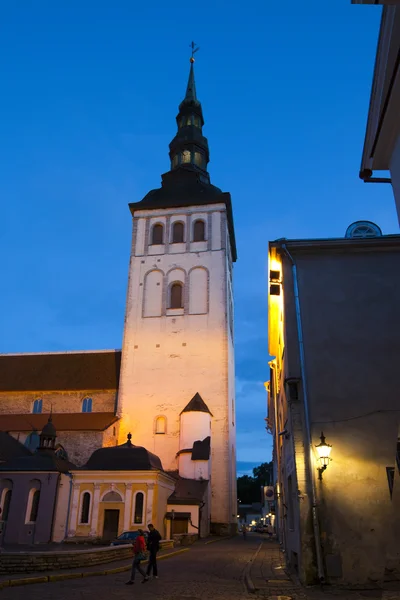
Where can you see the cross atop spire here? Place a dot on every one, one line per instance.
(191, 86)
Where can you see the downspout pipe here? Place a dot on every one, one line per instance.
(71, 477)
(279, 529)
(308, 440)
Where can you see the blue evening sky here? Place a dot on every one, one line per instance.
(90, 91)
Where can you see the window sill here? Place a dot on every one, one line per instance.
(174, 312)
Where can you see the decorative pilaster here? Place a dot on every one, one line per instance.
(95, 511)
(128, 506)
(149, 503)
(74, 510)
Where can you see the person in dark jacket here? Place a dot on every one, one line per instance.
(153, 546)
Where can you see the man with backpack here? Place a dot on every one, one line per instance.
(153, 546)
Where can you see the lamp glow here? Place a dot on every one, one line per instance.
(324, 450)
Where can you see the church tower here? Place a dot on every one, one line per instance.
(178, 337)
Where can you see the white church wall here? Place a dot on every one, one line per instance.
(153, 287)
(194, 426)
(166, 360)
(198, 286)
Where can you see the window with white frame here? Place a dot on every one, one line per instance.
(138, 508)
(32, 508)
(85, 508)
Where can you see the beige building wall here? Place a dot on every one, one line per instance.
(349, 295)
(170, 354)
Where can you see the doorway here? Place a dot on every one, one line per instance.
(111, 522)
(179, 526)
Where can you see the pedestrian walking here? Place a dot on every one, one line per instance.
(139, 554)
(153, 546)
(244, 531)
(270, 531)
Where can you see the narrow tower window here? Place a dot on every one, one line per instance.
(161, 424)
(157, 234)
(176, 297)
(37, 406)
(198, 159)
(199, 231)
(87, 405)
(178, 233)
(6, 504)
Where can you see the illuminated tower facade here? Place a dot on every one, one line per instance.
(178, 337)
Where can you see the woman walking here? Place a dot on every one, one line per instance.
(139, 554)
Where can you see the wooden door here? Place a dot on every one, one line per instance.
(111, 521)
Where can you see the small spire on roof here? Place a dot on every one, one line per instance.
(191, 86)
(129, 436)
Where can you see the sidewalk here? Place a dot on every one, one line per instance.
(267, 578)
(89, 571)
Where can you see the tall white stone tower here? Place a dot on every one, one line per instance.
(178, 338)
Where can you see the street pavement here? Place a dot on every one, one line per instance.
(208, 571)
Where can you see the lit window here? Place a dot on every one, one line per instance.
(161, 423)
(37, 406)
(178, 233)
(175, 161)
(198, 159)
(176, 297)
(189, 121)
(139, 502)
(199, 231)
(157, 234)
(185, 156)
(85, 508)
(196, 122)
(87, 405)
(34, 506)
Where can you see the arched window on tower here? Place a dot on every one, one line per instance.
(139, 504)
(198, 159)
(87, 405)
(37, 406)
(176, 296)
(175, 161)
(178, 231)
(199, 231)
(161, 425)
(157, 234)
(185, 156)
(85, 510)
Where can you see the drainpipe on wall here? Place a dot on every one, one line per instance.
(308, 440)
(69, 504)
(53, 518)
(280, 528)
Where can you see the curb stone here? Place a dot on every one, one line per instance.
(65, 576)
(220, 539)
(247, 576)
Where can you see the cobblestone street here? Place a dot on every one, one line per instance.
(207, 571)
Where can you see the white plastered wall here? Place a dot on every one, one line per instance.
(167, 359)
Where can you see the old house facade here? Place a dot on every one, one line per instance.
(334, 334)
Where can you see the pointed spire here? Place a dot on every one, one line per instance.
(191, 86)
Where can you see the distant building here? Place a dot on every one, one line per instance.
(334, 324)
(382, 139)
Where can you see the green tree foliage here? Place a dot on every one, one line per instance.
(249, 488)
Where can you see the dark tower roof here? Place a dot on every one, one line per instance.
(187, 183)
(197, 404)
(125, 457)
(48, 435)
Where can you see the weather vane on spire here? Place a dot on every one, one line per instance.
(194, 50)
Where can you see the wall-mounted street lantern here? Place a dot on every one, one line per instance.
(324, 451)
